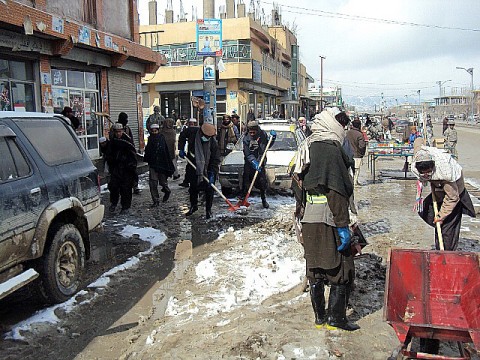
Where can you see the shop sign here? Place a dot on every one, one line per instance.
(209, 37)
(58, 25)
(84, 35)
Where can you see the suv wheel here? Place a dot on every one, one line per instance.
(62, 265)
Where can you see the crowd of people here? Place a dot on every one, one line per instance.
(325, 173)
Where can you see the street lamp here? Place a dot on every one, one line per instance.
(470, 71)
(440, 84)
(321, 81)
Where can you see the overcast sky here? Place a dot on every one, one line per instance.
(368, 57)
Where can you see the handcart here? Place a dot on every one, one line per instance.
(433, 295)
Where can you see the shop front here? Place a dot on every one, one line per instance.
(79, 90)
(17, 85)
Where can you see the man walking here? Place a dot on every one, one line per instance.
(170, 135)
(203, 152)
(122, 163)
(451, 138)
(160, 164)
(322, 166)
(358, 145)
(186, 138)
(155, 118)
(254, 145)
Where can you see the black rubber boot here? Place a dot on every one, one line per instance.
(318, 303)
(193, 208)
(208, 205)
(167, 192)
(337, 308)
(264, 199)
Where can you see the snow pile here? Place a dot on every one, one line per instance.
(255, 268)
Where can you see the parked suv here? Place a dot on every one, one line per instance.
(49, 204)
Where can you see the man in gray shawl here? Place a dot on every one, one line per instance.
(322, 167)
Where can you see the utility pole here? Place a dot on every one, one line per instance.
(470, 71)
(321, 82)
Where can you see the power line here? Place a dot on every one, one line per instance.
(321, 13)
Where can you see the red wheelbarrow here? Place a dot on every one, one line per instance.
(433, 295)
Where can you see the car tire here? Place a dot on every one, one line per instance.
(61, 268)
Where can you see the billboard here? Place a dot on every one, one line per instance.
(209, 37)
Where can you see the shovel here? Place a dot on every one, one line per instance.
(231, 207)
(438, 225)
(245, 202)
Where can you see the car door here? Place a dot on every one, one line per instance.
(23, 198)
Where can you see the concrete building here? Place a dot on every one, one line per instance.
(82, 54)
(262, 69)
(330, 96)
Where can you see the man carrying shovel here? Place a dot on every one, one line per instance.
(203, 162)
(254, 146)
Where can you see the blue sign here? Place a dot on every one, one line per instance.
(209, 37)
(208, 72)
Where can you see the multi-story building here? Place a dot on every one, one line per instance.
(82, 54)
(262, 68)
(328, 96)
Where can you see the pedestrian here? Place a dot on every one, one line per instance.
(444, 124)
(157, 155)
(74, 121)
(103, 148)
(254, 146)
(186, 137)
(451, 138)
(359, 146)
(368, 122)
(236, 121)
(302, 125)
(174, 115)
(203, 153)
(414, 134)
(322, 166)
(171, 138)
(123, 119)
(122, 162)
(178, 125)
(227, 136)
(439, 169)
(250, 115)
(155, 118)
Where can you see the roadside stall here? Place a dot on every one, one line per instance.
(385, 149)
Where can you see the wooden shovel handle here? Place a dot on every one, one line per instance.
(260, 164)
(439, 226)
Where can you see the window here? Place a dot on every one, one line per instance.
(12, 163)
(17, 87)
(52, 140)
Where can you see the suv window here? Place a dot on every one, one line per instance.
(12, 162)
(40, 132)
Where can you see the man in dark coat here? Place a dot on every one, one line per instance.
(160, 164)
(122, 163)
(322, 166)
(254, 145)
(203, 152)
(168, 131)
(187, 138)
(68, 112)
(227, 136)
(358, 145)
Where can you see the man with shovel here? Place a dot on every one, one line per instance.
(254, 146)
(203, 163)
(439, 169)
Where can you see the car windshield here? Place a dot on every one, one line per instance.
(285, 141)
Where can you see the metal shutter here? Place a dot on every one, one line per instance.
(122, 90)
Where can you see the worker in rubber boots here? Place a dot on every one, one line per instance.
(203, 153)
(322, 166)
(254, 146)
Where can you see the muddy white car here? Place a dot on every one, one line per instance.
(49, 204)
(278, 158)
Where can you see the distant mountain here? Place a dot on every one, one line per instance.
(369, 103)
